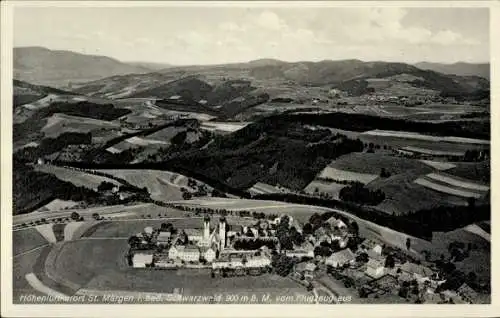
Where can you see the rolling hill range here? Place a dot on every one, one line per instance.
(57, 68)
(25, 93)
(461, 69)
(273, 77)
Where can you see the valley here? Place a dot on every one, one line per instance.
(402, 152)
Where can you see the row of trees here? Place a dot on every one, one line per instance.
(359, 194)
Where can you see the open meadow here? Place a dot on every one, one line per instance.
(373, 163)
(78, 178)
(453, 185)
(23, 265)
(344, 175)
(160, 184)
(404, 195)
(321, 186)
(25, 240)
(61, 123)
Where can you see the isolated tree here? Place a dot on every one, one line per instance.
(408, 243)
(75, 216)
(307, 229)
(105, 186)
(96, 216)
(389, 262)
(133, 241)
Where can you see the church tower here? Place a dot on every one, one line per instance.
(206, 228)
(222, 233)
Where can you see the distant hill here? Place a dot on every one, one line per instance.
(151, 66)
(272, 76)
(461, 69)
(56, 68)
(24, 92)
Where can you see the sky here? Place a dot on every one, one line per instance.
(197, 35)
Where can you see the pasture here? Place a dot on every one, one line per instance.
(344, 175)
(143, 142)
(21, 266)
(80, 261)
(412, 135)
(61, 123)
(403, 195)
(57, 204)
(223, 126)
(439, 165)
(322, 186)
(453, 186)
(78, 178)
(260, 188)
(372, 163)
(126, 228)
(157, 182)
(445, 189)
(400, 141)
(299, 212)
(26, 239)
(58, 229)
(458, 182)
(476, 171)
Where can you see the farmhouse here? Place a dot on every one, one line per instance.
(341, 258)
(375, 268)
(417, 271)
(305, 250)
(305, 269)
(163, 238)
(336, 223)
(140, 260)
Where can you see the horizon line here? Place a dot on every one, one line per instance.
(170, 65)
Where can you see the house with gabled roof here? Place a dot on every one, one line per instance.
(340, 258)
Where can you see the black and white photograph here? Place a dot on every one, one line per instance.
(237, 154)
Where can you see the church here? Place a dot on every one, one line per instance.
(206, 244)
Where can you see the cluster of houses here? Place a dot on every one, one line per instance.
(374, 271)
(206, 247)
(373, 274)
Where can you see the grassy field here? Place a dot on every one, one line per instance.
(78, 178)
(80, 261)
(21, 266)
(396, 141)
(260, 188)
(100, 265)
(61, 123)
(439, 165)
(26, 239)
(299, 212)
(59, 231)
(127, 228)
(224, 126)
(458, 182)
(153, 180)
(477, 171)
(452, 185)
(403, 195)
(57, 204)
(331, 188)
(344, 175)
(412, 135)
(372, 163)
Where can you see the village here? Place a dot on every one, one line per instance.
(326, 252)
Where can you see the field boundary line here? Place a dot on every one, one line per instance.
(29, 251)
(34, 282)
